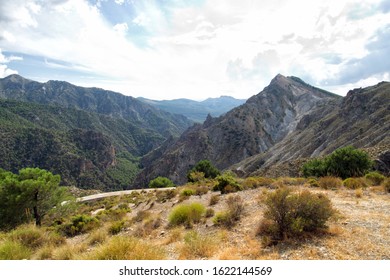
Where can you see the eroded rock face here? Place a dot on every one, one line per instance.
(250, 129)
(362, 120)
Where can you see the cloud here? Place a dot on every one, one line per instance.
(4, 60)
(168, 49)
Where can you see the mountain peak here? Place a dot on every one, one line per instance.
(16, 78)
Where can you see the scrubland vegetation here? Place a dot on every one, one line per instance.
(217, 217)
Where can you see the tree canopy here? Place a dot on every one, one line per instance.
(28, 195)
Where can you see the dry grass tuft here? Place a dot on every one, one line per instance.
(125, 248)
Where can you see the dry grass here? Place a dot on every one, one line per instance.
(360, 231)
(125, 248)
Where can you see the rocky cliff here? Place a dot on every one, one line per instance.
(252, 128)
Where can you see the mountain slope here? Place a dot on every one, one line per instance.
(93, 138)
(250, 129)
(362, 119)
(86, 149)
(197, 110)
(93, 100)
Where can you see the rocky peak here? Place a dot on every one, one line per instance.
(252, 128)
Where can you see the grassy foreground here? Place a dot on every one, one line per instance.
(194, 222)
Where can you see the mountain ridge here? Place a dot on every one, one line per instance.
(252, 128)
(197, 110)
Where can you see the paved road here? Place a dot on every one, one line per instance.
(108, 194)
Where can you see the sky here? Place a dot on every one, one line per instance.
(167, 49)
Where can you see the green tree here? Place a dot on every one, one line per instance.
(344, 162)
(161, 182)
(205, 167)
(30, 194)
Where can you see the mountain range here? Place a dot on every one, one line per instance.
(288, 121)
(197, 111)
(92, 137)
(101, 139)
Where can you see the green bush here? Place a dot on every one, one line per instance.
(375, 178)
(348, 162)
(161, 182)
(290, 214)
(204, 166)
(116, 227)
(79, 224)
(186, 214)
(355, 183)
(187, 192)
(344, 162)
(227, 183)
(315, 168)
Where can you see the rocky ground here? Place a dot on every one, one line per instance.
(359, 231)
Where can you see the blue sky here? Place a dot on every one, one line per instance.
(165, 49)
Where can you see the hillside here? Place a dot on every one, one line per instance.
(197, 110)
(93, 138)
(362, 119)
(88, 150)
(136, 226)
(252, 128)
(94, 100)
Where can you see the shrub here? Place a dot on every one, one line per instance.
(116, 227)
(186, 214)
(348, 162)
(165, 195)
(209, 212)
(255, 182)
(214, 199)
(161, 182)
(233, 213)
(227, 183)
(79, 224)
(313, 183)
(290, 214)
(201, 190)
(375, 178)
(314, 167)
(205, 167)
(329, 182)
(187, 192)
(355, 183)
(148, 226)
(344, 162)
(196, 176)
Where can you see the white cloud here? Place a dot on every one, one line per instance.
(121, 28)
(218, 47)
(4, 70)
